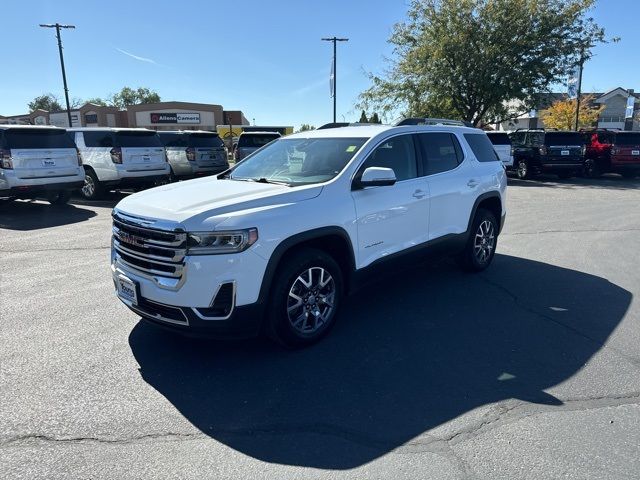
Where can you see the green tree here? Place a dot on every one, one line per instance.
(97, 101)
(374, 118)
(470, 59)
(305, 127)
(363, 118)
(48, 102)
(129, 96)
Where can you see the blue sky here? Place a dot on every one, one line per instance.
(264, 58)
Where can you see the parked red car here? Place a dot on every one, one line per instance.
(612, 151)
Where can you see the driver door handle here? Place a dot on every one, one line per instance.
(419, 194)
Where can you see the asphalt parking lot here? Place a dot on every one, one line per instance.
(528, 370)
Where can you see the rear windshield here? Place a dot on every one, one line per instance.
(30, 138)
(630, 138)
(256, 140)
(202, 140)
(173, 139)
(137, 139)
(563, 138)
(499, 138)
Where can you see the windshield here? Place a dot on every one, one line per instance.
(298, 161)
(563, 138)
(37, 138)
(499, 138)
(256, 140)
(628, 139)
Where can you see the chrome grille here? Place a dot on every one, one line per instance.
(148, 250)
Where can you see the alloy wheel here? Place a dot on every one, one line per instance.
(311, 299)
(89, 187)
(484, 242)
(522, 169)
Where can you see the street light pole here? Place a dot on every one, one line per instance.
(57, 26)
(334, 39)
(579, 89)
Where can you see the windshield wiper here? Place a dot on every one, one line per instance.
(259, 180)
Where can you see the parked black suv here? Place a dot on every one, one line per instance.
(547, 151)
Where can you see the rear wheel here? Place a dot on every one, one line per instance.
(59, 198)
(590, 169)
(92, 188)
(481, 245)
(306, 295)
(522, 169)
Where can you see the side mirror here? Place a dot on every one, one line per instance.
(376, 177)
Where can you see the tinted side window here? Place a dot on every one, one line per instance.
(440, 152)
(482, 147)
(397, 153)
(98, 139)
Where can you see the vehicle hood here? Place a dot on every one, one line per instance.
(207, 202)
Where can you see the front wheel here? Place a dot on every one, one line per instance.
(481, 245)
(305, 298)
(59, 198)
(522, 169)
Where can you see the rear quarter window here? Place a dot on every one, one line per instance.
(23, 138)
(481, 146)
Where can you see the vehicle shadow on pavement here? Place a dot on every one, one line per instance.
(108, 199)
(31, 215)
(408, 354)
(609, 182)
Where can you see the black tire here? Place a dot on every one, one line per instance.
(565, 175)
(326, 300)
(59, 198)
(522, 169)
(590, 169)
(629, 174)
(92, 189)
(469, 259)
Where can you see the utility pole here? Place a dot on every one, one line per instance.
(579, 90)
(334, 78)
(57, 26)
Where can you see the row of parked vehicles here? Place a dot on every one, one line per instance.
(591, 153)
(51, 162)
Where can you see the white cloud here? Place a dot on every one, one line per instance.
(141, 59)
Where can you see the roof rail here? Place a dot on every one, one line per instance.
(433, 121)
(344, 124)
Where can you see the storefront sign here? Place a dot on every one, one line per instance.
(174, 117)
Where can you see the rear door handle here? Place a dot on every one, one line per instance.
(419, 194)
(472, 183)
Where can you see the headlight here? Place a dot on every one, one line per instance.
(213, 243)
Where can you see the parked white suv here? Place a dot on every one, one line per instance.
(38, 162)
(277, 241)
(194, 153)
(115, 158)
(502, 145)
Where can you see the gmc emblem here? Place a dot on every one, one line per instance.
(131, 239)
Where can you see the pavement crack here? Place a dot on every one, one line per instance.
(141, 438)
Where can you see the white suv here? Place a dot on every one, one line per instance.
(116, 158)
(38, 161)
(276, 242)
